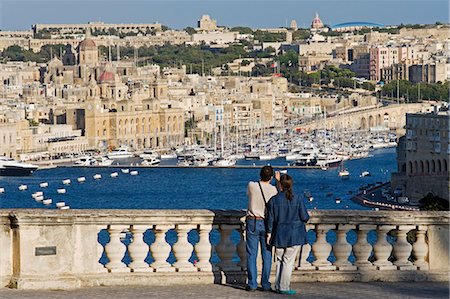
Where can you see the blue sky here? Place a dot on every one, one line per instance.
(21, 14)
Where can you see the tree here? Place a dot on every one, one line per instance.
(190, 30)
(433, 203)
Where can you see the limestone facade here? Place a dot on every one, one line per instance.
(423, 157)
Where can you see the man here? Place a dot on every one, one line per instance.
(259, 194)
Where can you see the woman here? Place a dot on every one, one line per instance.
(286, 230)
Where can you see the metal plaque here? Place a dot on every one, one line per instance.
(49, 250)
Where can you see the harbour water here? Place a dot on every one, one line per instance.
(190, 188)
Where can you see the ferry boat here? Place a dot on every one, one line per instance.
(120, 153)
(10, 167)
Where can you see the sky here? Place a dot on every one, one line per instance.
(177, 14)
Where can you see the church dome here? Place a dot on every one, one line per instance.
(317, 22)
(106, 76)
(87, 44)
(55, 62)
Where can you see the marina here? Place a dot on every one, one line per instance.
(172, 187)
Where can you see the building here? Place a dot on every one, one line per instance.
(62, 29)
(206, 23)
(422, 157)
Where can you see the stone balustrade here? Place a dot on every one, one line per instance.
(76, 248)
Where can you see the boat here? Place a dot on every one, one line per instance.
(47, 201)
(149, 155)
(151, 161)
(2, 190)
(39, 198)
(169, 156)
(66, 182)
(120, 153)
(60, 204)
(64, 208)
(125, 170)
(251, 156)
(103, 161)
(43, 185)
(85, 161)
(224, 162)
(81, 179)
(338, 200)
(266, 157)
(364, 174)
(343, 173)
(114, 174)
(134, 172)
(10, 167)
(97, 176)
(23, 187)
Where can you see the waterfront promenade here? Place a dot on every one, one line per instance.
(353, 290)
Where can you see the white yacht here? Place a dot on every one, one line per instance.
(343, 172)
(224, 162)
(151, 161)
(120, 153)
(169, 155)
(10, 167)
(149, 154)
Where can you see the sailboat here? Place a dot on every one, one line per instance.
(343, 173)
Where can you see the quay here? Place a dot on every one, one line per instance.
(54, 250)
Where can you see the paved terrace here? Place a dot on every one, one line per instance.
(353, 290)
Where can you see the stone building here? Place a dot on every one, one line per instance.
(423, 157)
(8, 137)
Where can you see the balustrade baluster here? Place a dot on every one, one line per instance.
(383, 249)
(241, 248)
(115, 249)
(183, 249)
(362, 249)
(420, 248)
(100, 249)
(161, 249)
(203, 248)
(402, 248)
(321, 248)
(303, 254)
(342, 248)
(226, 249)
(138, 249)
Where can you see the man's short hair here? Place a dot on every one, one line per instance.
(266, 173)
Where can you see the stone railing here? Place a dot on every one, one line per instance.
(76, 248)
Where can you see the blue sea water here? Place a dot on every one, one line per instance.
(190, 188)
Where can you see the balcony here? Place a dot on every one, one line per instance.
(43, 249)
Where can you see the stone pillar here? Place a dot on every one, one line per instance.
(420, 248)
(402, 249)
(321, 248)
(115, 249)
(203, 248)
(362, 249)
(183, 249)
(342, 248)
(161, 249)
(226, 249)
(383, 249)
(138, 249)
(438, 247)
